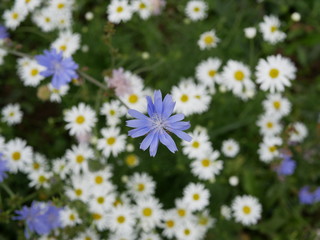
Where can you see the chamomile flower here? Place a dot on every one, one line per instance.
(69, 217)
(80, 119)
(67, 43)
(208, 40)
(250, 32)
(170, 223)
(61, 6)
(140, 186)
(268, 149)
(12, 114)
(236, 76)
(132, 160)
(113, 111)
(56, 94)
(39, 179)
(205, 221)
(30, 73)
(44, 19)
(121, 219)
(100, 220)
(78, 157)
(100, 179)
(225, 211)
(149, 212)
(13, 17)
(101, 200)
(276, 105)
(89, 234)
(246, 210)
(269, 125)
(38, 163)
(79, 188)
(188, 231)
(182, 211)
(196, 10)
(207, 71)
(30, 5)
(230, 148)
(206, 168)
(112, 142)
(196, 196)
(297, 132)
(143, 8)
(199, 144)
(18, 155)
(119, 10)
(60, 167)
(270, 30)
(275, 73)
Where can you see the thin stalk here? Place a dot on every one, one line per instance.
(7, 189)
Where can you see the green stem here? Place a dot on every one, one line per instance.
(251, 53)
(7, 189)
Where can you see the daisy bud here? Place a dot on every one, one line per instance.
(250, 32)
(296, 17)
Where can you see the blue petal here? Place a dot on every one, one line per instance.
(176, 118)
(167, 140)
(154, 145)
(147, 140)
(182, 135)
(178, 126)
(136, 114)
(139, 132)
(168, 106)
(136, 123)
(158, 101)
(150, 106)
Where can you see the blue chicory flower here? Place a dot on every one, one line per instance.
(3, 168)
(3, 32)
(40, 218)
(159, 124)
(62, 69)
(317, 195)
(286, 167)
(305, 196)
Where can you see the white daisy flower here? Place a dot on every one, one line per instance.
(89, 234)
(169, 224)
(61, 6)
(100, 179)
(230, 148)
(196, 196)
(30, 5)
(225, 211)
(101, 200)
(79, 189)
(69, 217)
(12, 114)
(80, 119)
(78, 157)
(268, 149)
(205, 221)
(270, 30)
(196, 10)
(121, 219)
(208, 40)
(56, 94)
(269, 125)
(149, 213)
(206, 168)
(143, 8)
(44, 19)
(113, 111)
(234, 181)
(13, 17)
(119, 10)
(207, 71)
(276, 105)
(60, 167)
(132, 160)
(182, 211)
(250, 32)
(246, 210)
(199, 145)
(18, 154)
(189, 231)
(275, 73)
(30, 73)
(297, 132)
(38, 163)
(67, 43)
(236, 76)
(112, 142)
(141, 185)
(100, 220)
(39, 179)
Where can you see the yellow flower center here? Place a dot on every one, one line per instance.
(72, 217)
(170, 223)
(121, 219)
(269, 125)
(11, 114)
(16, 156)
(196, 196)
(36, 166)
(47, 19)
(239, 75)
(184, 98)
(60, 5)
(15, 15)
(212, 73)
(274, 73)
(133, 98)
(112, 112)
(78, 192)
(42, 179)
(203, 221)
(246, 210)
(111, 140)
(63, 48)
(208, 40)
(34, 72)
(205, 162)
(196, 9)
(276, 104)
(100, 200)
(142, 6)
(140, 187)
(27, 1)
(187, 231)
(79, 159)
(117, 202)
(98, 179)
(119, 9)
(96, 216)
(181, 212)
(273, 28)
(272, 149)
(195, 144)
(80, 119)
(147, 212)
(87, 238)
(131, 160)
